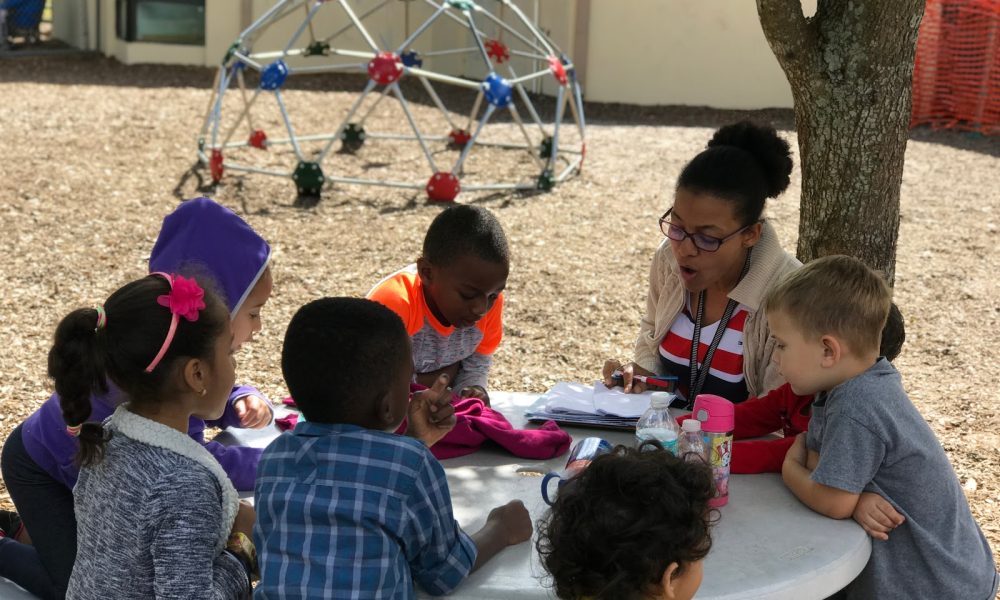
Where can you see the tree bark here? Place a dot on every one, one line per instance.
(850, 67)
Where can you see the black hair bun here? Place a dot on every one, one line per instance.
(772, 153)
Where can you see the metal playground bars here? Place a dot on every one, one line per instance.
(506, 51)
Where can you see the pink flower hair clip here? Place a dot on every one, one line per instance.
(186, 299)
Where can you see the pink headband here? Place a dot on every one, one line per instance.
(186, 299)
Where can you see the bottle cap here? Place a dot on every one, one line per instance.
(691, 425)
(715, 413)
(661, 399)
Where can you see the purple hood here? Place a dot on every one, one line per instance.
(204, 237)
(208, 239)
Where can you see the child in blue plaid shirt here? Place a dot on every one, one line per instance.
(345, 508)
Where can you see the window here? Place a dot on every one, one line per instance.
(161, 21)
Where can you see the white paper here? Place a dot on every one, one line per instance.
(573, 404)
(573, 398)
(616, 402)
(577, 398)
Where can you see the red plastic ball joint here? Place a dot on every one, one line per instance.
(443, 187)
(459, 137)
(215, 166)
(558, 70)
(497, 50)
(258, 139)
(385, 68)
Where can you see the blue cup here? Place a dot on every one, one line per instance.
(580, 456)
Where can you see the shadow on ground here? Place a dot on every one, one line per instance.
(91, 69)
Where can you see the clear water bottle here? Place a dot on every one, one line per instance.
(691, 444)
(657, 424)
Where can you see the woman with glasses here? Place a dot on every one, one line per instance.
(710, 274)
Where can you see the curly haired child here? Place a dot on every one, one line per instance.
(634, 524)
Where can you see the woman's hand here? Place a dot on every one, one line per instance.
(628, 382)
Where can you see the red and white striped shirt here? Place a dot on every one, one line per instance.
(725, 374)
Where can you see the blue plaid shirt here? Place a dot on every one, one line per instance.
(348, 512)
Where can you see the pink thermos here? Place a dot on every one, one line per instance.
(717, 422)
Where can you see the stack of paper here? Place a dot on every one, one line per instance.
(596, 405)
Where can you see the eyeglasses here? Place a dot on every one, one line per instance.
(701, 241)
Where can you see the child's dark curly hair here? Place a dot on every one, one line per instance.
(617, 526)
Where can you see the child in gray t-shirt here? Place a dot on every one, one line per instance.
(866, 435)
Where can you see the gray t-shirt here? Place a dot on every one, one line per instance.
(870, 437)
(433, 351)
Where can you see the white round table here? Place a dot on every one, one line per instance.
(766, 544)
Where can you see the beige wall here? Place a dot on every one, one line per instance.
(75, 22)
(705, 52)
(694, 52)
(90, 25)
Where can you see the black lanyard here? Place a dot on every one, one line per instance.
(698, 375)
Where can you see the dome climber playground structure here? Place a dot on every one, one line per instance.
(398, 131)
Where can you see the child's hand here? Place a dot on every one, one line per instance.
(475, 391)
(812, 459)
(430, 414)
(876, 515)
(798, 452)
(253, 412)
(245, 518)
(505, 526)
(514, 520)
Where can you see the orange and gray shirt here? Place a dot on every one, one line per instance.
(436, 346)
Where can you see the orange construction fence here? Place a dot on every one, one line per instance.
(956, 77)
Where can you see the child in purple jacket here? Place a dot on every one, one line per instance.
(39, 466)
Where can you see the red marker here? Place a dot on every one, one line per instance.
(667, 382)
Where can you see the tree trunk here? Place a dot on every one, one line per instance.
(851, 71)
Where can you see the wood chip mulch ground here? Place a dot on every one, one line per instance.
(93, 154)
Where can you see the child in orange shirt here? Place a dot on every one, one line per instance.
(451, 300)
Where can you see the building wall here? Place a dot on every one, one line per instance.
(709, 52)
(705, 52)
(75, 22)
(221, 28)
